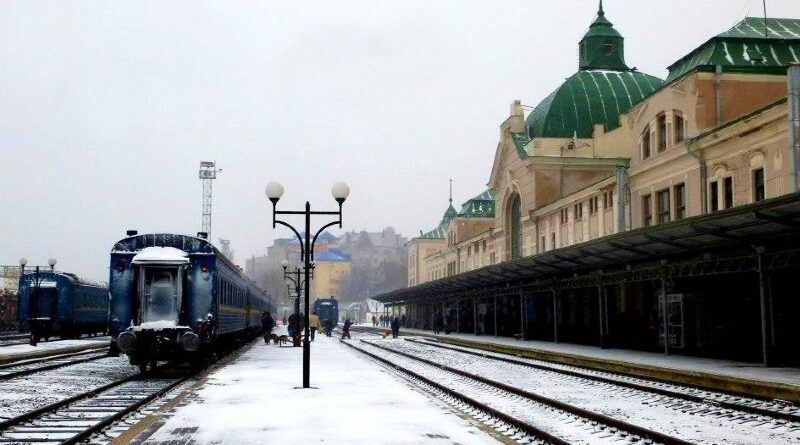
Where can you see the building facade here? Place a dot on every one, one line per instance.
(615, 203)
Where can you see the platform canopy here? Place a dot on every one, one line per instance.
(773, 222)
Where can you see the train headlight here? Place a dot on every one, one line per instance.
(190, 341)
(126, 341)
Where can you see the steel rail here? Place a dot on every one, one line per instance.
(572, 409)
(85, 434)
(519, 424)
(660, 391)
(48, 358)
(24, 372)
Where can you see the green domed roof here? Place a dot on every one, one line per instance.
(587, 98)
(597, 94)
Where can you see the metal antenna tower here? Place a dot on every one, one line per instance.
(208, 172)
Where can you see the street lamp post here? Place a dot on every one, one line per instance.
(287, 275)
(274, 191)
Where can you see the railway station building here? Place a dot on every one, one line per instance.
(629, 211)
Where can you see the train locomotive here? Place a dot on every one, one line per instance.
(327, 309)
(175, 297)
(61, 304)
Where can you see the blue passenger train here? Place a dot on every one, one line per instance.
(173, 297)
(327, 309)
(62, 304)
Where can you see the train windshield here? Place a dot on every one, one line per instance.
(160, 291)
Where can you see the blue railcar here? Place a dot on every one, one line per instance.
(327, 309)
(173, 297)
(62, 304)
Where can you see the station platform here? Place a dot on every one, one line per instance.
(729, 376)
(255, 399)
(16, 353)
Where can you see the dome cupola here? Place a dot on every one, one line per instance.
(602, 47)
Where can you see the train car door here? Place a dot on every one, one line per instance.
(160, 291)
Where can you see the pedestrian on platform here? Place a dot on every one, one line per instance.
(267, 324)
(438, 322)
(346, 329)
(374, 321)
(403, 321)
(284, 319)
(395, 327)
(293, 326)
(328, 327)
(313, 324)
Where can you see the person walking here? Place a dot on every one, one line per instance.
(438, 322)
(395, 327)
(267, 324)
(374, 321)
(346, 328)
(403, 321)
(313, 324)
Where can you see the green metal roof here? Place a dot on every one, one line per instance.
(481, 206)
(520, 140)
(746, 47)
(602, 47)
(439, 231)
(586, 98)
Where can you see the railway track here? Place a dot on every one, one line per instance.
(778, 409)
(533, 409)
(78, 417)
(27, 367)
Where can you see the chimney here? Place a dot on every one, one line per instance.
(517, 118)
(132, 232)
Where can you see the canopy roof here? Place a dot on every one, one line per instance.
(775, 220)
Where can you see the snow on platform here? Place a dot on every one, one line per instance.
(353, 401)
(15, 353)
(721, 367)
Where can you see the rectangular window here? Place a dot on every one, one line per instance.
(553, 240)
(680, 201)
(469, 250)
(714, 196)
(577, 210)
(678, 129)
(608, 199)
(593, 204)
(662, 204)
(758, 185)
(646, 143)
(647, 210)
(728, 189)
(662, 133)
(563, 216)
(483, 245)
(542, 246)
(492, 258)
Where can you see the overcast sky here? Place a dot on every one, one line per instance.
(107, 108)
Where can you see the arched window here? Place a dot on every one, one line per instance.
(515, 226)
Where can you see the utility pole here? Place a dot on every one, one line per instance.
(208, 172)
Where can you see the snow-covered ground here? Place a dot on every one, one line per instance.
(20, 352)
(707, 365)
(353, 401)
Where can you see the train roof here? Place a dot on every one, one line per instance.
(71, 277)
(192, 245)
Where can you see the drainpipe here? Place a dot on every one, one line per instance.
(794, 125)
(619, 173)
(701, 159)
(717, 84)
